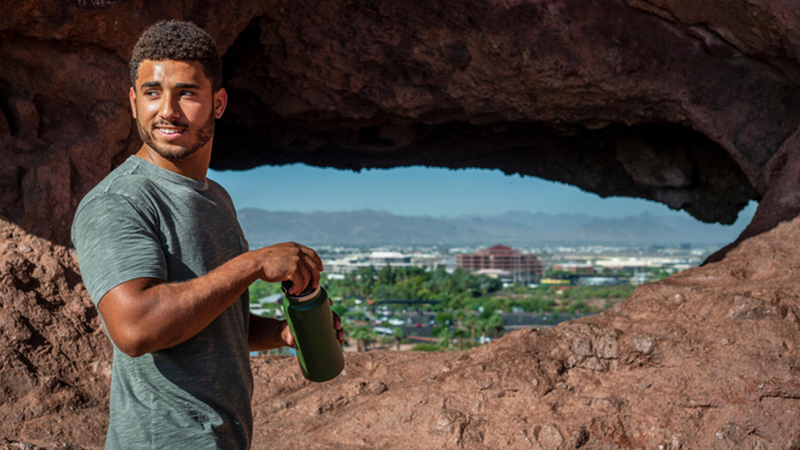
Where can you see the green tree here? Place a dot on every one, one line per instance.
(482, 325)
(425, 347)
(386, 275)
(471, 322)
(341, 310)
(362, 336)
(363, 282)
(495, 323)
(443, 318)
(460, 334)
(398, 336)
(460, 315)
(356, 314)
(261, 289)
(577, 306)
(444, 337)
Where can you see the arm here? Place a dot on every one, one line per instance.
(146, 314)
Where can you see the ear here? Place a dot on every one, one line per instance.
(220, 102)
(132, 96)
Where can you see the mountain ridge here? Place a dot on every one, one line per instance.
(371, 227)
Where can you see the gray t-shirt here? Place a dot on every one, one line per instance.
(143, 221)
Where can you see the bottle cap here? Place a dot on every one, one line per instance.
(308, 293)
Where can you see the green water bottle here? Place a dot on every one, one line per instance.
(311, 322)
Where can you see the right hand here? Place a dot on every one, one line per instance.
(293, 262)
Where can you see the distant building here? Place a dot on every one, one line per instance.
(378, 259)
(580, 269)
(602, 281)
(381, 259)
(519, 267)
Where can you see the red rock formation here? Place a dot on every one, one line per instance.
(687, 105)
(55, 361)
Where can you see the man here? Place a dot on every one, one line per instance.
(165, 261)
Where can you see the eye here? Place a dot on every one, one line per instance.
(151, 93)
(187, 93)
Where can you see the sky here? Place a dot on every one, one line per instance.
(423, 191)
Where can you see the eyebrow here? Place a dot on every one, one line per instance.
(178, 85)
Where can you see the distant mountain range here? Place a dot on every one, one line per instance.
(369, 227)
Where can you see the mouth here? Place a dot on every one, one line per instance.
(170, 132)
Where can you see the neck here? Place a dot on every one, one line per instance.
(194, 166)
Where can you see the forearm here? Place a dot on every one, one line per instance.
(266, 333)
(145, 314)
(168, 314)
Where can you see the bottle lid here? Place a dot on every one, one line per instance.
(308, 293)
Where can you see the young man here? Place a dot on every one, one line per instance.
(165, 261)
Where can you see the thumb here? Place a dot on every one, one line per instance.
(286, 336)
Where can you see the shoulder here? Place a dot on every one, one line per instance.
(125, 184)
(219, 191)
(217, 188)
(123, 195)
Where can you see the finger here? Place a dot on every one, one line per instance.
(286, 336)
(340, 336)
(300, 279)
(311, 253)
(337, 321)
(313, 270)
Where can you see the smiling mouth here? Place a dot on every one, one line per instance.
(169, 131)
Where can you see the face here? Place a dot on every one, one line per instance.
(175, 107)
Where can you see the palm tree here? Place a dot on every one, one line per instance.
(460, 315)
(460, 334)
(444, 337)
(482, 326)
(361, 335)
(496, 323)
(364, 282)
(372, 336)
(384, 340)
(471, 322)
(398, 336)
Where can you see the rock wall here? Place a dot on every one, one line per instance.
(55, 360)
(688, 105)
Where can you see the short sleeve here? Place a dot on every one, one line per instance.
(116, 243)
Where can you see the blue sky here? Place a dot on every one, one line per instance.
(423, 191)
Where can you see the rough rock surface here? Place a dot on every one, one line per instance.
(55, 361)
(690, 104)
(705, 359)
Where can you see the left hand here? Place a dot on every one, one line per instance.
(337, 324)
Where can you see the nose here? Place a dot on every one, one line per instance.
(169, 107)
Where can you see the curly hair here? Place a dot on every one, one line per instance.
(179, 41)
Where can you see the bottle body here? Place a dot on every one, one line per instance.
(311, 323)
